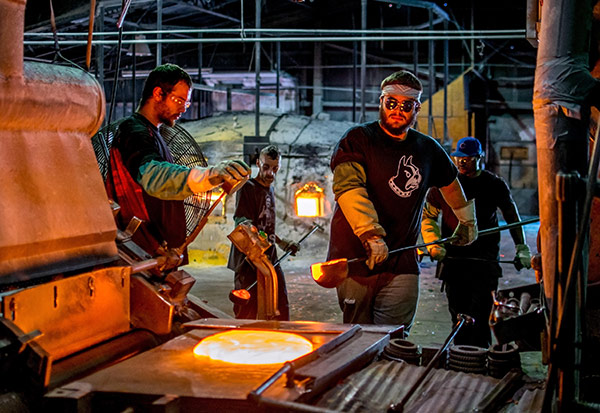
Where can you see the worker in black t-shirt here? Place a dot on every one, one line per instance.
(381, 173)
(470, 273)
(255, 204)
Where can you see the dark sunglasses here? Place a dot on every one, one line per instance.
(405, 106)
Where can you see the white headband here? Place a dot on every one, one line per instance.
(401, 90)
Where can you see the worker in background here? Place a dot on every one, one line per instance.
(381, 173)
(470, 273)
(142, 177)
(255, 204)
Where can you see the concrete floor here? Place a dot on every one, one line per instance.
(309, 301)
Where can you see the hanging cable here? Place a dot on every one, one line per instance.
(113, 95)
(56, 44)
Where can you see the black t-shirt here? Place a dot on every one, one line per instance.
(257, 203)
(490, 193)
(399, 172)
(139, 142)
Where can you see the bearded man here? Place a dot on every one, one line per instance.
(381, 173)
(142, 177)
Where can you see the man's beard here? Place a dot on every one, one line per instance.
(165, 116)
(397, 130)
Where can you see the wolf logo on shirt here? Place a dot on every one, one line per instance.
(407, 178)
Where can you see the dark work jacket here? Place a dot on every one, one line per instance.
(138, 141)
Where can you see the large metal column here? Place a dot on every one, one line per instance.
(562, 88)
(258, 10)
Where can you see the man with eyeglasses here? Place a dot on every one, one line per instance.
(381, 173)
(470, 273)
(142, 177)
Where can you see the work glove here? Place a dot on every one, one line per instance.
(524, 255)
(436, 252)
(289, 245)
(377, 250)
(466, 230)
(226, 173)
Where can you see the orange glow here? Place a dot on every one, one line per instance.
(309, 200)
(243, 294)
(214, 197)
(253, 347)
(316, 270)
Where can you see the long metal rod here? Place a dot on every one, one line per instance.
(279, 31)
(274, 39)
(290, 366)
(452, 238)
(398, 407)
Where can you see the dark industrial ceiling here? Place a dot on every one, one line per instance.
(178, 15)
(218, 36)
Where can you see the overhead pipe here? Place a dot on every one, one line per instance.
(280, 39)
(11, 41)
(242, 32)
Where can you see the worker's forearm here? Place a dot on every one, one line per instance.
(164, 180)
(453, 195)
(511, 215)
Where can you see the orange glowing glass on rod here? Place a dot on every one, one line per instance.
(253, 347)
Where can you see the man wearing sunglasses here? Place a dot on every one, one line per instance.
(142, 177)
(381, 173)
(470, 273)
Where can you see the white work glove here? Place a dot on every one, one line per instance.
(377, 251)
(524, 255)
(436, 252)
(203, 179)
(466, 230)
(228, 171)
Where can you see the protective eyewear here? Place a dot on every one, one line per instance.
(406, 106)
(179, 101)
(463, 160)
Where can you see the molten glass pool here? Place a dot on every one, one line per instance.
(253, 347)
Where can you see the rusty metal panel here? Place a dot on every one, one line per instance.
(149, 310)
(385, 382)
(73, 313)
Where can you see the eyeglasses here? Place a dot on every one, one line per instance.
(405, 106)
(179, 101)
(462, 160)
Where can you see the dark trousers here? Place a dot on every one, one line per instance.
(471, 296)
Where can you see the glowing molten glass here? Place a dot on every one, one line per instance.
(253, 347)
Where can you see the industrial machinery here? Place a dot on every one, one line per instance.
(86, 328)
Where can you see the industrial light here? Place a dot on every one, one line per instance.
(253, 347)
(309, 200)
